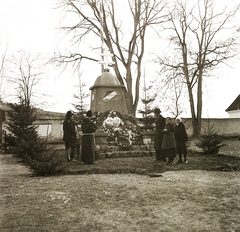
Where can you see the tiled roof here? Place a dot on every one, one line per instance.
(41, 114)
(235, 105)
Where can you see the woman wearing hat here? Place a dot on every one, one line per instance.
(69, 135)
(88, 140)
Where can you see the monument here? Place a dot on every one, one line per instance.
(108, 93)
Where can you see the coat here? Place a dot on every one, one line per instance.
(180, 133)
(168, 137)
(88, 141)
(181, 137)
(160, 124)
(69, 132)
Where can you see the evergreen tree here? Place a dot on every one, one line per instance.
(80, 106)
(20, 124)
(209, 141)
(147, 119)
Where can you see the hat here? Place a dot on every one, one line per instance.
(89, 113)
(69, 113)
(157, 111)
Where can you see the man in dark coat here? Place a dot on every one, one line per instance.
(181, 139)
(160, 125)
(88, 140)
(69, 135)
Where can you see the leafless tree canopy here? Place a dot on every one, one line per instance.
(200, 35)
(123, 36)
(24, 75)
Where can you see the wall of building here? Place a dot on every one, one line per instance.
(50, 125)
(234, 114)
(224, 126)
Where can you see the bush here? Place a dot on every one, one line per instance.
(209, 141)
(45, 164)
(28, 145)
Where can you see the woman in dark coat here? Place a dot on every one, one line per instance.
(181, 139)
(88, 154)
(169, 143)
(69, 136)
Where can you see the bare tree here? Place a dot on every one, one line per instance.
(170, 91)
(123, 36)
(24, 75)
(197, 37)
(2, 63)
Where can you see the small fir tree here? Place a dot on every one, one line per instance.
(20, 124)
(27, 143)
(147, 120)
(209, 141)
(80, 104)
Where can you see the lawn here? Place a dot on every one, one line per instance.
(121, 195)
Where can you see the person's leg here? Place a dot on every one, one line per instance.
(78, 151)
(72, 151)
(158, 155)
(180, 158)
(67, 152)
(185, 158)
(162, 156)
(170, 161)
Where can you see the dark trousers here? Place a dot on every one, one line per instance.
(160, 156)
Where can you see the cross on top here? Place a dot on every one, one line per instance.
(105, 55)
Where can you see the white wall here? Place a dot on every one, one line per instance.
(234, 114)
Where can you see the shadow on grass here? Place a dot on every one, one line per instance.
(146, 165)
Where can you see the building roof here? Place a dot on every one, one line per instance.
(106, 80)
(235, 105)
(41, 114)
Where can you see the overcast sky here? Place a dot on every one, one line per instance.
(31, 25)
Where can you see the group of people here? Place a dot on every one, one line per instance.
(72, 143)
(170, 139)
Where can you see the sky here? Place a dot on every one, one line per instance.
(32, 25)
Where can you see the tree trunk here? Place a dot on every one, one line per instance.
(199, 102)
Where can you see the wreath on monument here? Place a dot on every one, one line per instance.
(122, 130)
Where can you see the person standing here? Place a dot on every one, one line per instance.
(169, 143)
(88, 154)
(69, 136)
(160, 124)
(181, 139)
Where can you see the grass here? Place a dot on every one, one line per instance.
(120, 195)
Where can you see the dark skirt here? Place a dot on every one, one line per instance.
(88, 154)
(181, 148)
(170, 152)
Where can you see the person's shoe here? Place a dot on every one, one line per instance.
(186, 161)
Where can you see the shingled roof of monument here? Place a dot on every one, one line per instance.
(235, 105)
(107, 79)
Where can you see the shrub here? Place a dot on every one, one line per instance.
(209, 141)
(45, 164)
(28, 145)
(24, 135)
